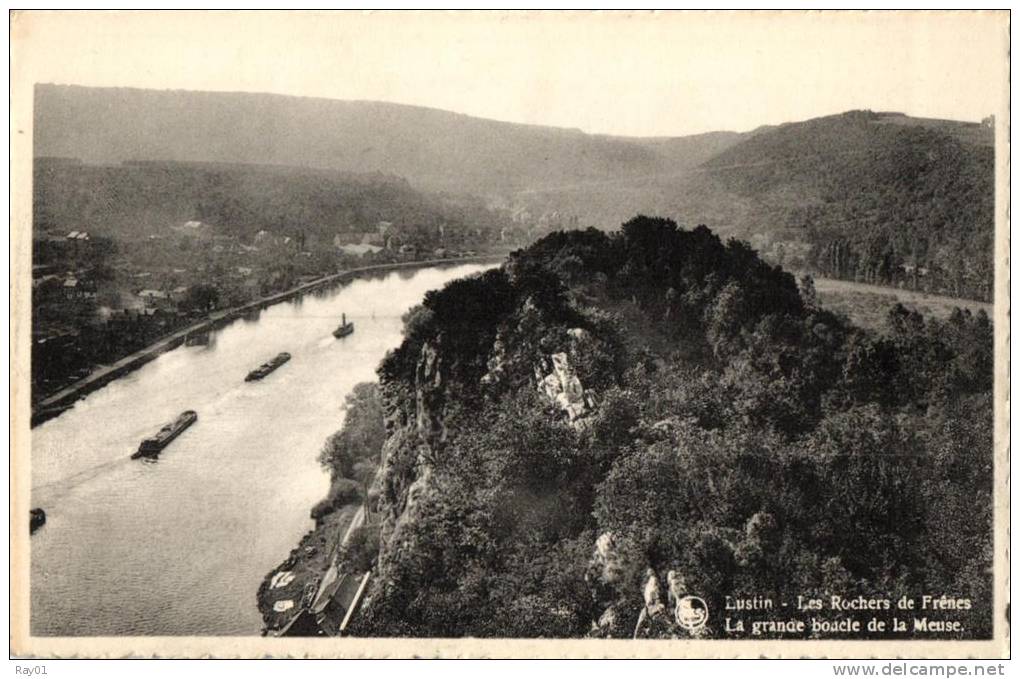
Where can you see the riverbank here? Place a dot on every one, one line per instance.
(329, 588)
(60, 401)
(290, 587)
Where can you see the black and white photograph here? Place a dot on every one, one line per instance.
(509, 334)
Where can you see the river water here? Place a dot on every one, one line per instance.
(180, 546)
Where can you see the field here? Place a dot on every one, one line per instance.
(867, 305)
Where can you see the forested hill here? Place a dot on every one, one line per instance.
(879, 197)
(876, 197)
(433, 149)
(136, 200)
(609, 423)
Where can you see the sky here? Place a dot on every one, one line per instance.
(639, 74)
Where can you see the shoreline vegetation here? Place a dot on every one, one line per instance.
(60, 401)
(344, 542)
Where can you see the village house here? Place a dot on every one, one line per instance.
(358, 244)
(79, 289)
(156, 299)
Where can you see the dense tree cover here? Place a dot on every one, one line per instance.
(135, 200)
(869, 196)
(877, 198)
(741, 437)
(201, 298)
(351, 455)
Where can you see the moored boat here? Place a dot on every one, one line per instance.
(344, 329)
(152, 446)
(267, 367)
(36, 519)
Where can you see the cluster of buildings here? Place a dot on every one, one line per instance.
(163, 300)
(386, 237)
(550, 219)
(361, 243)
(51, 285)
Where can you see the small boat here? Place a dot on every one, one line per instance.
(267, 367)
(344, 329)
(36, 519)
(152, 446)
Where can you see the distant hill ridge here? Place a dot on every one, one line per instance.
(434, 149)
(861, 195)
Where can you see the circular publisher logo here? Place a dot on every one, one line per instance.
(691, 613)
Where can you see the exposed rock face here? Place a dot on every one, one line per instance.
(496, 366)
(659, 621)
(430, 401)
(609, 573)
(559, 382)
(561, 385)
(654, 621)
(607, 625)
(604, 573)
(529, 351)
(652, 594)
(677, 588)
(416, 431)
(606, 561)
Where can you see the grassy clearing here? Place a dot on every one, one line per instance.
(868, 305)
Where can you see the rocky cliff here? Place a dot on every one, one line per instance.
(439, 386)
(614, 435)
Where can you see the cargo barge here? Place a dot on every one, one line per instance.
(267, 367)
(153, 445)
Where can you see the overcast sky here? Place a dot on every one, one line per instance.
(642, 74)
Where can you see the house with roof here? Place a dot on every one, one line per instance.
(78, 289)
(156, 299)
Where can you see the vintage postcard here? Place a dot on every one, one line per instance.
(509, 334)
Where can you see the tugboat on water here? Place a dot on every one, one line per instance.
(36, 519)
(152, 446)
(267, 367)
(344, 329)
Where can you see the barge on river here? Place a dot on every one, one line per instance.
(152, 446)
(267, 367)
(344, 329)
(36, 519)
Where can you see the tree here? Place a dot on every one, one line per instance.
(341, 492)
(364, 472)
(202, 298)
(807, 290)
(362, 435)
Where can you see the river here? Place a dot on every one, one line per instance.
(180, 546)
